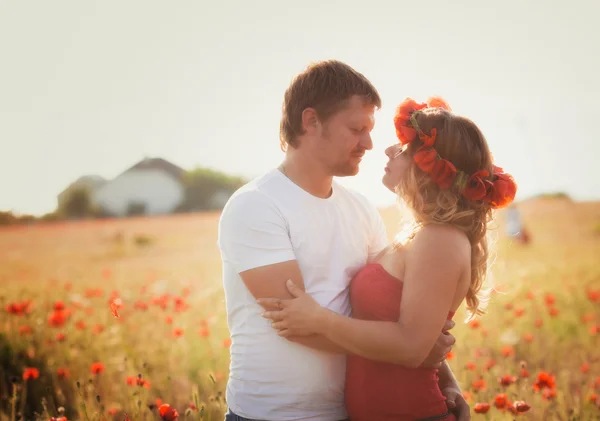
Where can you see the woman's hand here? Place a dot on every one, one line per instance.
(300, 316)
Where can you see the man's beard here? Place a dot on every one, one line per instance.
(348, 168)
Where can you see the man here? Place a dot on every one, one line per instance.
(296, 223)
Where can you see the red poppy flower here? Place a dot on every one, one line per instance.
(474, 324)
(25, 330)
(167, 413)
(437, 102)
(58, 318)
(406, 134)
(30, 373)
(425, 158)
(115, 305)
(476, 189)
(481, 408)
(471, 366)
(507, 380)
(544, 381)
(428, 140)
(479, 384)
(97, 368)
(588, 317)
(548, 394)
(503, 192)
(142, 382)
(404, 131)
(508, 351)
(491, 363)
(521, 406)
(444, 173)
(500, 401)
(62, 373)
(140, 305)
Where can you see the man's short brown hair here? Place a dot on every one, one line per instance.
(325, 86)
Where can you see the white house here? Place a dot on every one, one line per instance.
(153, 186)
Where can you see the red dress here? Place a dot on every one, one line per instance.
(377, 391)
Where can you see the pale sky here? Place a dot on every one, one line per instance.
(89, 87)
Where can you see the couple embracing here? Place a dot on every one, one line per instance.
(328, 320)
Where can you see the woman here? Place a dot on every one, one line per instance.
(442, 170)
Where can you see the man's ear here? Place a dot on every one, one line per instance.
(310, 121)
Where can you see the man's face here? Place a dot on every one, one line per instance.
(341, 142)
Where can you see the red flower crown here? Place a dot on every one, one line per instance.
(498, 190)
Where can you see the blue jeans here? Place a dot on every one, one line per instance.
(230, 416)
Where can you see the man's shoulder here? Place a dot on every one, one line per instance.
(252, 195)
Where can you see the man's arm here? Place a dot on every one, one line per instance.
(269, 281)
(447, 379)
(253, 235)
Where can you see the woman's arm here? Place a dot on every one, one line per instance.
(434, 264)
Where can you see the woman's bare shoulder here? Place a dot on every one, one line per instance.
(445, 236)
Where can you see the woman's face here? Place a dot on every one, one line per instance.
(397, 166)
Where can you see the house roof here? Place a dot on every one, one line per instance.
(92, 181)
(158, 164)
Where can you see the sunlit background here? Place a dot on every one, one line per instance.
(92, 88)
(113, 112)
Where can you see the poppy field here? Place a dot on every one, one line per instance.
(125, 319)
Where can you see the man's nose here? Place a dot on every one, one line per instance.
(366, 141)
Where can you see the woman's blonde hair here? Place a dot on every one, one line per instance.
(461, 142)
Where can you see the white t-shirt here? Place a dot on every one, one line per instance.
(272, 220)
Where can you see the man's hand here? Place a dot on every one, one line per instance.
(457, 404)
(442, 347)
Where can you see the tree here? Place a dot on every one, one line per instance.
(203, 186)
(78, 204)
